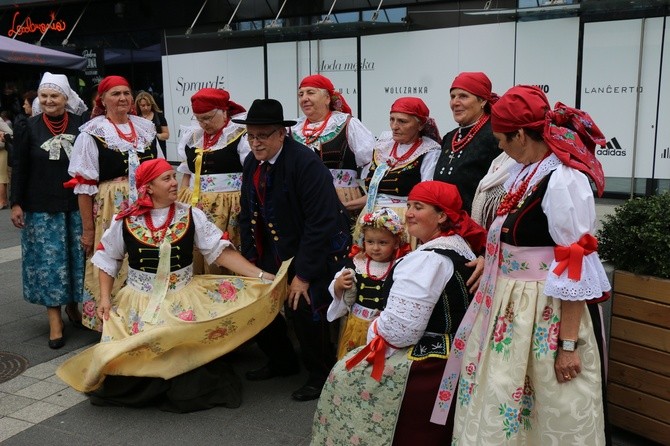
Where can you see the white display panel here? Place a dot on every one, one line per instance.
(610, 88)
(555, 72)
(238, 71)
(424, 63)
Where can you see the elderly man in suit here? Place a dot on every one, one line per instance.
(290, 210)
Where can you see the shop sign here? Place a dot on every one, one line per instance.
(27, 26)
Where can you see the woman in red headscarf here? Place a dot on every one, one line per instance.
(344, 144)
(409, 342)
(469, 150)
(402, 157)
(212, 151)
(165, 331)
(529, 365)
(106, 154)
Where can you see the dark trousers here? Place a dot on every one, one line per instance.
(317, 351)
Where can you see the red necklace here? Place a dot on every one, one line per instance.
(511, 199)
(56, 127)
(394, 159)
(312, 135)
(372, 276)
(157, 234)
(209, 140)
(130, 137)
(457, 143)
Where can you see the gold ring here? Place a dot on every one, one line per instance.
(566, 376)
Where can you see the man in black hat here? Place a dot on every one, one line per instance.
(290, 209)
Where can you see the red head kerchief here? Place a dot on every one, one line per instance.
(570, 133)
(446, 197)
(476, 83)
(148, 171)
(337, 101)
(208, 99)
(105, 85)
(416, 107)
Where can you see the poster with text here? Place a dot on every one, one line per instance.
(238, 71)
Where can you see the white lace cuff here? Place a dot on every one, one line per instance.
(592, 285)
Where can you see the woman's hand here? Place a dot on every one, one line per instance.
(476, 277)
(356, 204)
(104, 307)
(567, 365)
(87, 237)
(297, 289)
(17, 217)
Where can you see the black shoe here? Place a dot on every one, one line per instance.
(56, 343)
(268, 372)
(307, 393)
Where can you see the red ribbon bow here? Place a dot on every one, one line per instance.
(374, 353)
(355, 249)
(570, 257)
(78, 180)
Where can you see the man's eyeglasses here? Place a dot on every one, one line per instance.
(208, 118)
(261, 137)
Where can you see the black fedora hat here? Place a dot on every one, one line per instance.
(265, 112)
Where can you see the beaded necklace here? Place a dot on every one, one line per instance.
(130, 137)
(458, 143)
(157, 234)
(311, 135)
(56, 127)
(393, 159)
(512, 198)
(372, 276)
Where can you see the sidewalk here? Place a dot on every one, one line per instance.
(36, 408)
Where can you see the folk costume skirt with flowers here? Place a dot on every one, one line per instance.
(53, 258)
(201, 318)
(222, 209)
(511, 395)
(112, 197)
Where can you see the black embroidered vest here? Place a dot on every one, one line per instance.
(114, 164)
(225, 160)
(528, 225)
(336, 153)
(143, 249)
(398, 181)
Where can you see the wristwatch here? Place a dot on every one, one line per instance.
(568, 345)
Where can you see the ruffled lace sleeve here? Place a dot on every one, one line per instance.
(428, 164)
(418, 282)
(110, 252)
(84, 163)
(187, 133)
(570, 209)
(208, 237)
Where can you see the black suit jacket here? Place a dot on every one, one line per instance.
(302, 216)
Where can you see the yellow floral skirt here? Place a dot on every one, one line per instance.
(197, 323)
(111, 197)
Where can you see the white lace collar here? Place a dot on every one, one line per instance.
(194, 134)
(454, 243)
(547, 166)
(382, 151)
(101, 127)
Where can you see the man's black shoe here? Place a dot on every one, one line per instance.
(307, 393)
(267, 372)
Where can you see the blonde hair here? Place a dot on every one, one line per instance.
(150, 99)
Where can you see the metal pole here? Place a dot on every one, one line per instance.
(190, 28)
(637, 109)
(66, 40)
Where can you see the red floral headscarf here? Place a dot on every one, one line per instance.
(446, 197)
(148, 171)
(337, 102)
(416, 107)
(570, 133)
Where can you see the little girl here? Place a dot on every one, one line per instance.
(356, 289)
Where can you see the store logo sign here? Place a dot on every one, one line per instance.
(29, 27)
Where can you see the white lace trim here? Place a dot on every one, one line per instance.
(382, 151)
(336, 120)
(592, 284)
(454, 243)
(193, 135)
(376, 268)
(101, 127)
(547, 165)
